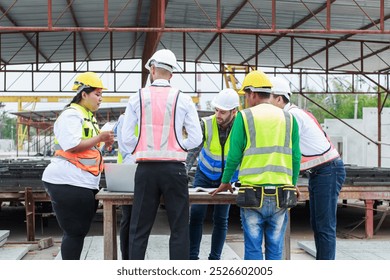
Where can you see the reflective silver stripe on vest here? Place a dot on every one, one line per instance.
(332, 154)
(208, 153)
(268, 150)
(207, 164)
(87, 162)
(148, 119)
(84, 161)
(268, 168)
(179, 156)
(251, 123)
(167, 119)
(209, 127)
(287, 140)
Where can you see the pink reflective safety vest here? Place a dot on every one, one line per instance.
(311, 161)
(157, 139)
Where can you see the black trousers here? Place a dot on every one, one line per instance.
(75, 208)
(153, 180)
(124, 231)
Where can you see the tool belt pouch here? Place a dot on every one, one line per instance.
(287, 197)
(249, 197)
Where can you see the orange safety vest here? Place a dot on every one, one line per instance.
(308, 162)
(157, 139)
(90, 160)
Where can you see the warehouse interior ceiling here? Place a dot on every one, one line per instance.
(53, 40)
(322, 36)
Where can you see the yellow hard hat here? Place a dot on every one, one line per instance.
(256, 81)
(88, 79)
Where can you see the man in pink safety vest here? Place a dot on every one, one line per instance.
(161, 112)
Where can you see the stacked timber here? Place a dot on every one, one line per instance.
(17, 174)
(363, 176)
(367, 176)
(20, 173)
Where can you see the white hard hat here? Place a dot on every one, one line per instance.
(280, 86)
(165, 59)
(227, 99)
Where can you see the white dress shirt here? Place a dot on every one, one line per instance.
(127, 157)
(312, 139)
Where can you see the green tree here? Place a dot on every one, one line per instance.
(341, 105)
(7, 126)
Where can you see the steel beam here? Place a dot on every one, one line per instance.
(156, 19)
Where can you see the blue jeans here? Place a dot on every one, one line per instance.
(325, 183)
(197, 216)
(268, 221)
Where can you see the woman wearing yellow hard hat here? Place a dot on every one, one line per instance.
(72, 178)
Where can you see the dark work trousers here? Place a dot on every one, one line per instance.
(75, 208)
(124, 231)
(153, 180)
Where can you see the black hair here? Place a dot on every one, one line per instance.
(263, 94)
(285, 100)
(77, 98)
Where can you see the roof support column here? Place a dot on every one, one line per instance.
(382, 15)
(49, 14)
(379, 125)
(156, 19)
(292, 54)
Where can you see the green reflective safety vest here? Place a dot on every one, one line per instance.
(267, 158)
(90, 125)
(120, 156)
(211, 155)
(89, 160)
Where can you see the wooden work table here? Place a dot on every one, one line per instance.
(112, 199)
(29, 196)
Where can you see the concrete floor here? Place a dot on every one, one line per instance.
(12, 218)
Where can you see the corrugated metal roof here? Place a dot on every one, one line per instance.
(297, 45)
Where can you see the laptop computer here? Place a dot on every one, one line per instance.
(120, 177)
